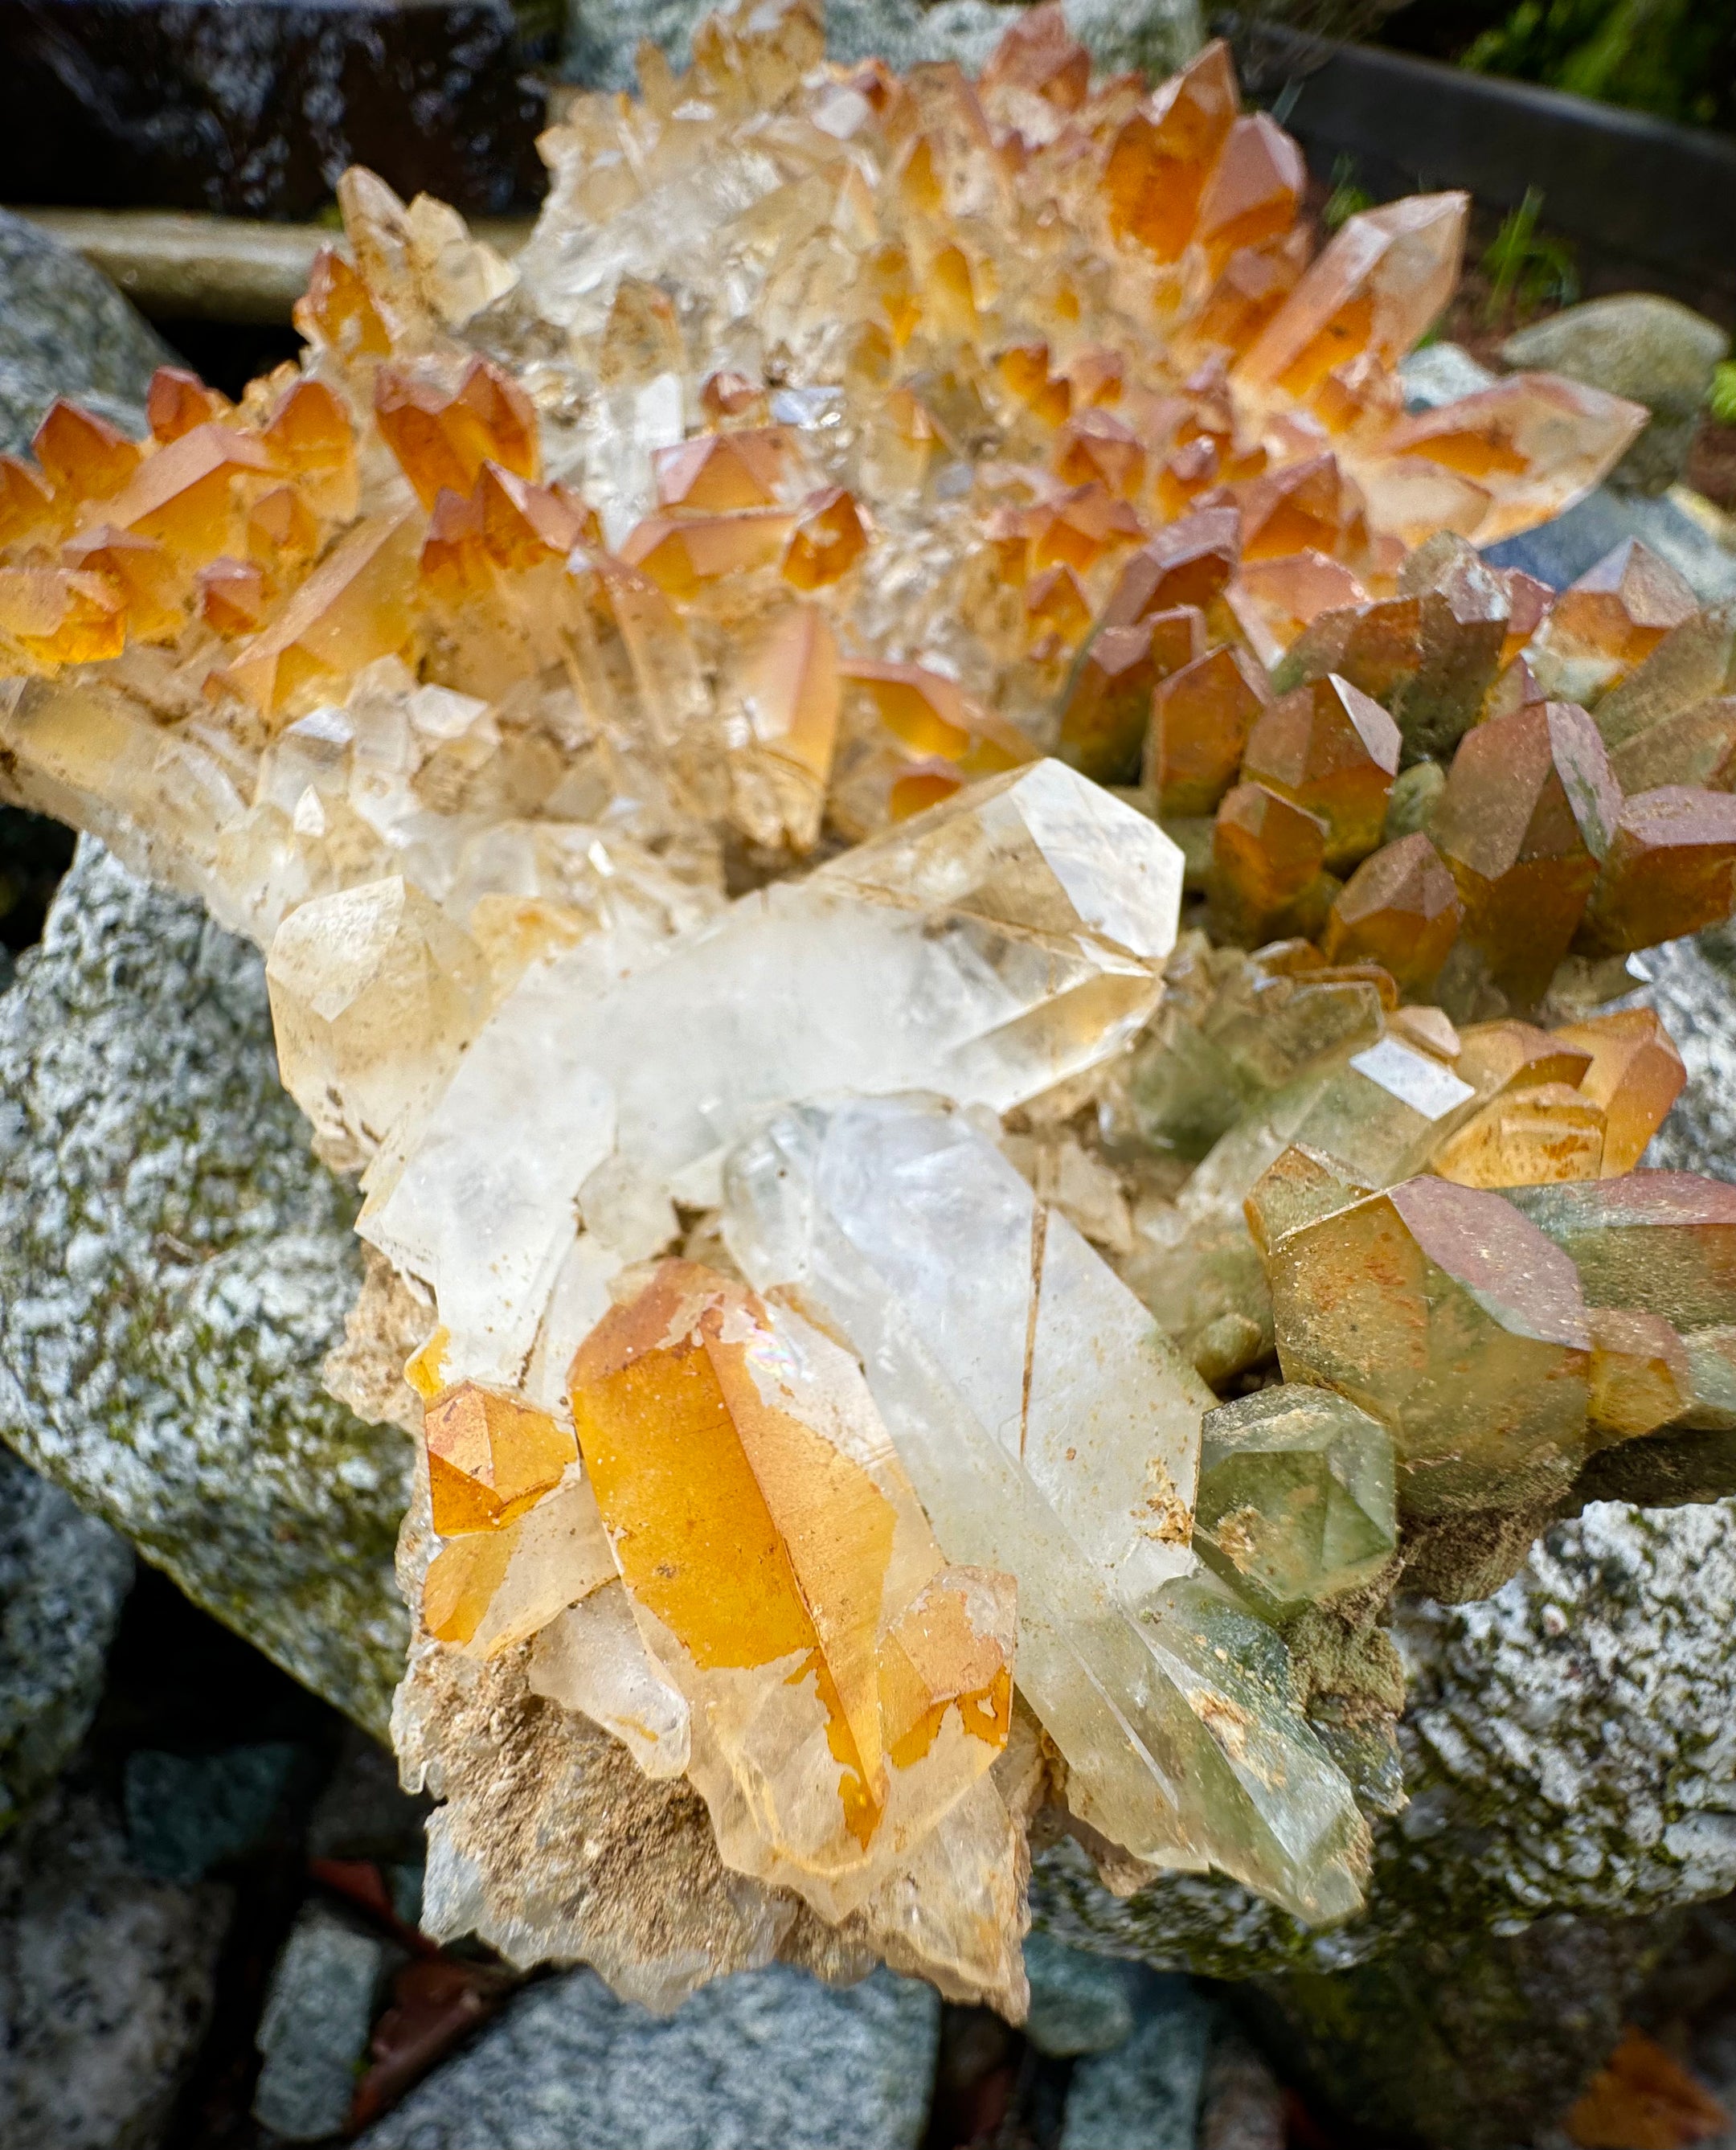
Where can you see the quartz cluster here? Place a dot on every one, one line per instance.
(717, 725)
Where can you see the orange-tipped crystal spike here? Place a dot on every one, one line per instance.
(1376, 290)
(1189, 563)
(1535, 442)
(338, 311)
(150, 578)
(354, 607)
(232, 595)
(1670, 869)
(1528, 812)
(1334, 750)
(828, 540)
(490, 1457)
(25, 506)
(82, 455)
(1635, 1074)
(177, 400)
(1399, 909)
(1163, 155)
(1108, 705)
(1201, 718)
(50, 617)
(1254, 188)
(716, 473)
(442, 436)
(681, 554)
(192, 496)
(1267, 854)
(931, 715)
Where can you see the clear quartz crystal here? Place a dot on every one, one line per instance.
(1049, 1432)
(986, 950)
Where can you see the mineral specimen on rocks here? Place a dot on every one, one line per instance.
(652, 702)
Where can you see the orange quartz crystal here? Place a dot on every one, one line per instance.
(354, 606)
(828, 540)
(1108, 711)
(1334, 750)
(1528, 813)
(1267, 856)
(1201, 717)
(1160, 161)
(443, 433)
(1670, 869)
(1634, 1072)
(491, 1457)
(177, 400)
(81, 455)
(1399, 909)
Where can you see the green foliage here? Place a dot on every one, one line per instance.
(1674, 57)
(1346, 200)
(1721, 397)
(1527, 267)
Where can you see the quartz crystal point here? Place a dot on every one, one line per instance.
(1633, 1072)
(847, 1687)
(1532, 445)
(1296, 1500)
(1670, 869)
(1399, 909)
(1642, 1375)
(1428, 655)
(1373, 294)
(989, 949)
(1448, 1316)
(1049, 1432)
(1660, 1243)
(1331, 749)
(374, 995)
(1529, 812)
(1601, 626)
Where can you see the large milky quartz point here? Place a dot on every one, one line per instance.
(986, 950)
(1052, 1431)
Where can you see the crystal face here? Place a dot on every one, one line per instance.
(961, 939)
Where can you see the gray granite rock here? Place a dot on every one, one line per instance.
(106, 1982)
(173, 1267)
(771, 2057)
(65, 331)
(1080, 2003)
(313, 2034)
(603, 36)
(188, 1813)
(64, 1577)
(1437, 373)
(1652, 350)
(1145, 2094)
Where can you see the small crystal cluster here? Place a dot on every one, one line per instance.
(715, 724)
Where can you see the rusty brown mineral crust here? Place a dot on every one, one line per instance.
(714, 724)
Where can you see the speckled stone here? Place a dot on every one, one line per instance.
(65, 331)
(106, 1983)
(769, 2058)
(1145, 2094)
(173, 1267)
(313, 2034)
(64, 1577)
(603, 36)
